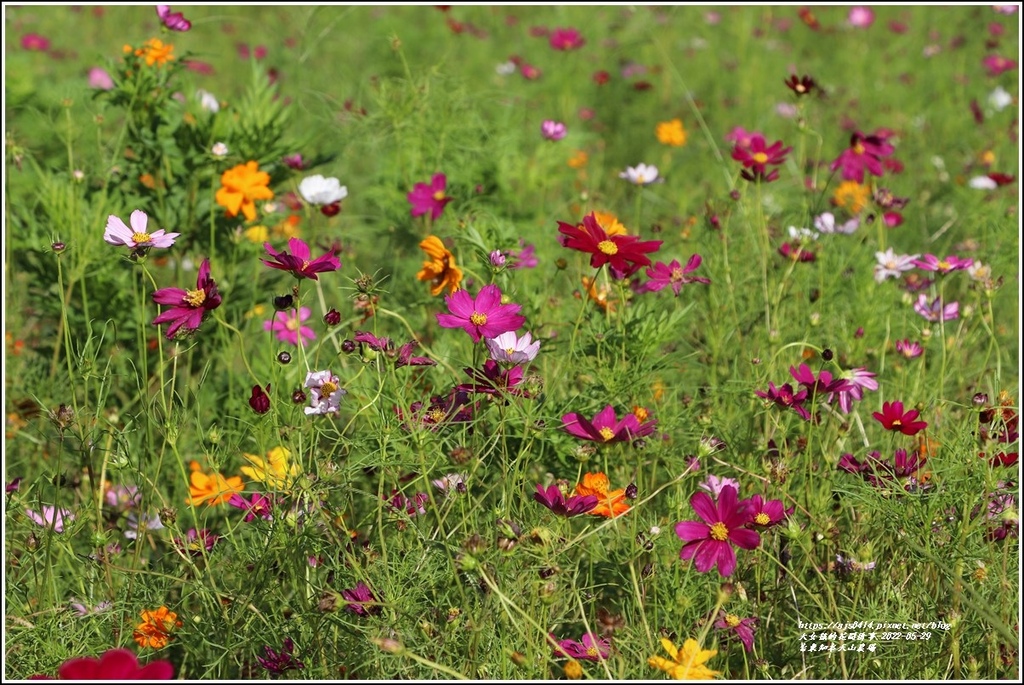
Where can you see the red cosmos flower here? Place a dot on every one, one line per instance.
(708, 543)
(260, 401)
(893, 418)
(758, 155)
(566, 39)
(188, 307)
(624, 254)
(800, 85)
(298, 262)
(114, 664)
(865, 152)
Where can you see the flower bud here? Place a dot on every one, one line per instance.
(284, 358)
(283, 302)
(332, 317)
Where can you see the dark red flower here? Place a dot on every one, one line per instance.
(555, 500)
(893, 418)
(801, 85)
(115, 664)
(298, 261)
(624, 254)
(260, 400)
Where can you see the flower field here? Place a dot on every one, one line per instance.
(512, 342)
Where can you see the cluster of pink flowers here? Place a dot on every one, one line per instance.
(843, 389)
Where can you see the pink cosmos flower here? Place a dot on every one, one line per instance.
(554, 499)
(742, 137)
(766, 513)
(175, 21)
(936, 311)
(552, 130)
(710, 543)
(256, 505)
(673, 274)
(325, 393)
(910, 350)
(714, 484)
(359, 597)
(853, 383)
(826, 223)
(136, 237)
(590, 648)
(865, 153)
(758, 155)
(188, 307)
(509, 349)
(114, 664)
(784, 396)
(298, 261)
(892, 265)
(429, 198)
(35, 42)
(483, 316)
(994, 64)
(565, 39)
(605, 427)
(524, 258)
(51, 517)
(288, 326)
(860, 17)
(493, 380)
(100, 79)
(742, 628)
(951, 263)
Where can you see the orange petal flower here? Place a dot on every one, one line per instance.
(440, 270)
(240, 186)
(609, 504)
(155, 629)
(154, 51)
(211, 488)
(610, 223)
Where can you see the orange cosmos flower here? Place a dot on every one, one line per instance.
(852, 196)
(441, 269)
(610, 223)
(609, 504)
(671, 133)
(211, 488)
(154, 51)
(240, 186)
(155, 629)
(578, 159)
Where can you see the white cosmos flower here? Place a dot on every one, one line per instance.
(982, 183)
(208, 101)
(317, 190)
(641, 174)
(510, 349)
(1000, 99)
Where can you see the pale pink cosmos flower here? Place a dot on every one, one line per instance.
(117, 233)
(826, 223)
(175, 21)
(288, 326)
(857, 381)
(641, 174)
(936, 311)
(552, 130)
(892, 265)
(944, 266)
(910, 350)
(714, 484)
(861, 17)
(51, 517)
(100, 79)
(325, 393)
(509, 349)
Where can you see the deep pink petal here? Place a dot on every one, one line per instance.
(726, 559)
(745, 538)
(605, 418)
(488, 299)
(692, 530)
(460, 303)
(707, 555)
(704, 506)
(298, 248)
(169, 296)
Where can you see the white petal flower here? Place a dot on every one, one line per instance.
(641, 174)
(208, 101)
(1000, 99)
(317, 190)
(982, 183)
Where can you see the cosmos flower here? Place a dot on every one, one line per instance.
(240, 186)
(100, 79)
(686, 663)
(136, 238)
(641, 174)
(211, 488)
(604, 427)
(277, 662)
(440, 270)
(671, 133)
(276, 471)
(554, 499)
(589, 648)
(742, 628)
(714, 484)
(565, 39)
(909, 349)
(114, 664)
(187, 308)
(944, 266)
(325, 393)
(155, 629)
(624, 254)
(673, 274)
(51, 517)
(610, 503)
(317, 190)
(361, 600)
(892, 265)
(175, 21)
(483, 316)
(552, 130)
(256, 505)
(865, 153)
(507, 348)
(298, 261)
(894, 418)
(429, 198)
(288, 326)
(937, 310)
(710, 543)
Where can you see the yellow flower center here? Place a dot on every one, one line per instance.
(509, 351)
(677, 275)
(858, 149)
(328, 388)
(608, 247)
(640, 179)
(436, 415)
(762, 519)
(800, 88)
(760, 157)
(732, 619)
(592, 652)
(292, 324)
(896, 422)
(478, 319)
(607, 433)
(305, 265)
(139, 238)
(195, 298)
(719, 532)
(438, 196)
(943, 265)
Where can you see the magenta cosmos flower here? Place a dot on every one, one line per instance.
(994, 64)
(566, 39)
(590, 648)
(552, 130)
(742, 628)
(766, 513)
(937, 310)
(554, 499)
(114, 664)
(710, 543)
(298, 261)
(288, 326)
(864, 153)
(277, 662)
(136, 237)
(429, 198)
(931, 262)
(673, 274)
(605, 427)
(893, 418)
(175, 21)
(188, 307)
(483, 316)
(359, 597)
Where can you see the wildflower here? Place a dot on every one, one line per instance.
(509, 349)
(405, 357)
(998, 99)
(573, 670)
(889, 264)
(578, 160)
(686, 663)
(936, 311)
(188, 307)
(758, 155)
(860, 17)
(298, 261)
(325, 393)
(641, 174)
(826, 223)
(624, 254)
(742, 628)
(114, 664)
(671, 133)
(492, 380)
(565, 39)
(609, 504)
(552, 130)
(211, 488)
(220, 149)
(554, 499)
(673, 274)
(196, 541)
(766, 513)
(136, 237)
(141, 524)
(910, 350)
(275, 471)
(256, 505)
(893, 418)
(483, 316)
(944, 266)
(51, 517)
(277, 662)
(996, 65)
(714, 484)
(589, 648)
(523, 258)
(604, 427)
(797, 251)
(154, 51)
(851, 196)
(982, 183)
(208, 101)
(260, 400)
(175, 21)
(240, 186)
(850, 565)
(156, 627)
(708, 543)
(288, 326)
(800, 85)
(429, 198)
(452, 482)
(122, 497)
(317, 190)
(497, 259)
(850, 386)
(100, 79)
(865, 153)
(441, 270)
(81, 610)
(784, 396)
(35, 42)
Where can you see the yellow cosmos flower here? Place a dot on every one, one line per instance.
(276, 471)
(211, 488)
(610, 223)
(240, 186)
(851, 195)
(687, 663)
(154, 51)
(440, 270)
(671, 133)
(578, 160)
(257, 234)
